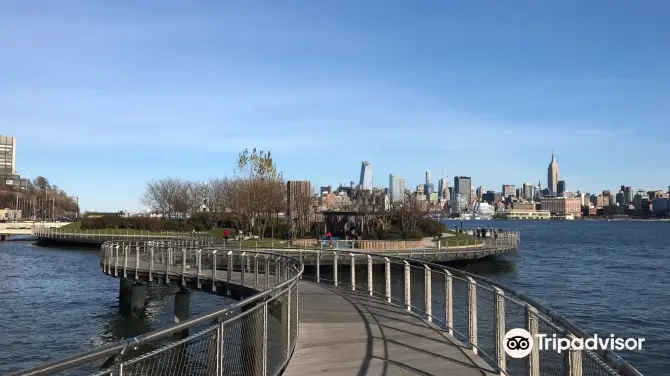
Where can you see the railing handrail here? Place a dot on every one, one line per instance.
(121, 346)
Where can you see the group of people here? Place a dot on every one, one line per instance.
(481, 232)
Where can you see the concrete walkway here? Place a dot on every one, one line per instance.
(347, 333)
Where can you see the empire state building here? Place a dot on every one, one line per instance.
(552, 175)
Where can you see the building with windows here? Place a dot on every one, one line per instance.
(560, 188)
(463, 186)
(508, 190)
(366, 176)
(562, 206)
(7, 155)
(552, 175)
(396, 188)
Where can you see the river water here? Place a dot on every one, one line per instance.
(607, 277)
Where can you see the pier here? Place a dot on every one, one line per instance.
(363, 313)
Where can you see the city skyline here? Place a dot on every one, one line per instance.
(487, 94)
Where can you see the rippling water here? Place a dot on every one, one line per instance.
(607, 277)
(55, 302)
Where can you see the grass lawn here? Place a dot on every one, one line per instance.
(457, 238)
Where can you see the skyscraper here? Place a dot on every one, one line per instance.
(479, 193)
(366, 176)
(528, 192)
(443, 188)
(427, 177)
(560, 188)
(552, 175)
(463, 186)
(396, 191)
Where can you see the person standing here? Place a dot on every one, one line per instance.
(226, 234)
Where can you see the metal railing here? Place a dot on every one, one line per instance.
(255, 336)
(118, 234)
(475, 310)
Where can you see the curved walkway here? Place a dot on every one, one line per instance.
(347, 333)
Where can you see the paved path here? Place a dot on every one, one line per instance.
(347, 333)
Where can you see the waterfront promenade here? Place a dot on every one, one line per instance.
(354, 319)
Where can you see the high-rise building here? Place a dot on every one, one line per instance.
(519, 193)
(463, 186)
(443, 188)
(627, 194)
(427, 177)
(560, 187)
(428, 189)
(552, 175)
(7, 155)
(366, 176)
(528, 192)
(479, 193)
(396, 190)
(508, 190)
(620, 198)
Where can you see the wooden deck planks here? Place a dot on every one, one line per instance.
(347, 333)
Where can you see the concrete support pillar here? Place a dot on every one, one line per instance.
(182, 303)
(132, 297)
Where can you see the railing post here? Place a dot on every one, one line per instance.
(499, 341)
(125, 260)
(214, 271)
(472, 313)
(219, 349)
(168, 264)
(370, 275)
(256, 270)
(183, 266)
(428, 292)
(267, 272)
(288, 322)
(229, 272)
(353, 272)
(533, 359)
(387, 279)
(151, 263)
(137, 260)
(199, 262)
(335, 268)
(264, 361)
(449, 302)
(408, 287)
(318, 266)
(572, 360)
(243, 265)
(277, 271)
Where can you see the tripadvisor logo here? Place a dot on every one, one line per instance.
(518, 343)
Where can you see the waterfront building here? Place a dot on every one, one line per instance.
(660, 206)
(489, 197)
(528, 191)
(366, 176)
(523, 214)
(443, 188)
(607, 198)
(463, 186)
(560, 188)
(627, 193)
(552, 175)
(7, 155)
(459, 203)
(562, 206)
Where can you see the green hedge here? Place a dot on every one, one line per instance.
(198, 222)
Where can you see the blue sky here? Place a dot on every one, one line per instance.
(106, 95)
